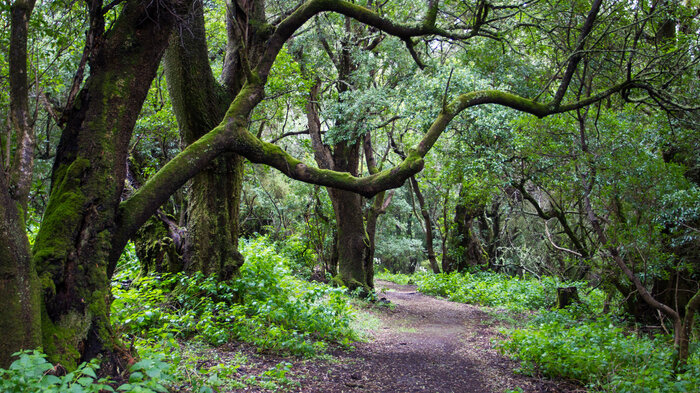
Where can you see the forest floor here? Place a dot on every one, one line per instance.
(414, 343)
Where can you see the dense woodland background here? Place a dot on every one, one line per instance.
(550, 141)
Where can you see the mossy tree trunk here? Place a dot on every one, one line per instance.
(354, 248)
(72, 249)
(19, 285)
(200, 103)
(465, 248)
(355, 227)
(353, 245)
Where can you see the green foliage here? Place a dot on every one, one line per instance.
(31, 373)
(207, 371)
(600, 354)
(299, 254)
(500, 290)
(265, 306)
(402, 279)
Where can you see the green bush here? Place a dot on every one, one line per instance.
(265, 306)
(29, 374)
(600, 354)
(299, 255)
(401, 279)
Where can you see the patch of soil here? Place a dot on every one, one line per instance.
(424, 344)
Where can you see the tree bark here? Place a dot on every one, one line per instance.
(20, 321)
(200, 103)
(73, 246)
(19, 284)
(354, 245)
(567, 296)
(691, 309)
(465, 247)
(428, 226)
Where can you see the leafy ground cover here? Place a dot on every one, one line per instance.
(265, 306)
(31, 372)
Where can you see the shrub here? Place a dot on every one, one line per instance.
(600, 354)
(265, 306)
(497, 289)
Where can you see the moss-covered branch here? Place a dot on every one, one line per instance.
(232, 136)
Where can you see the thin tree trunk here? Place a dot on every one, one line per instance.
(428, 226)
(691, 309)
(19, 285)
(586, 180)
(20, 301)
(377, 208)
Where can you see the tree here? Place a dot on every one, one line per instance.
(355, 228)
(200, 103)
(86, 224)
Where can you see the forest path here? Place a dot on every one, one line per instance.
(420, 344)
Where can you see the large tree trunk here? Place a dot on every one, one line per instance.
(200, 103)
(465, 246)
(73, 246)
(352, 242)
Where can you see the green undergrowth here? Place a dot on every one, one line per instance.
(32, 372)
(401, 279)
(183, 318)
(496, 289)
(196, 367)
(265, 306)
(600, 353)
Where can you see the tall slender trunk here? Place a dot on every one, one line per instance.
(427, 226)
(19, 284)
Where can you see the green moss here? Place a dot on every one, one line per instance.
(338, 280)
(61, 340)
(47, 283)
(63, 211)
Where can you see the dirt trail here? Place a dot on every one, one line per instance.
(423, 344)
